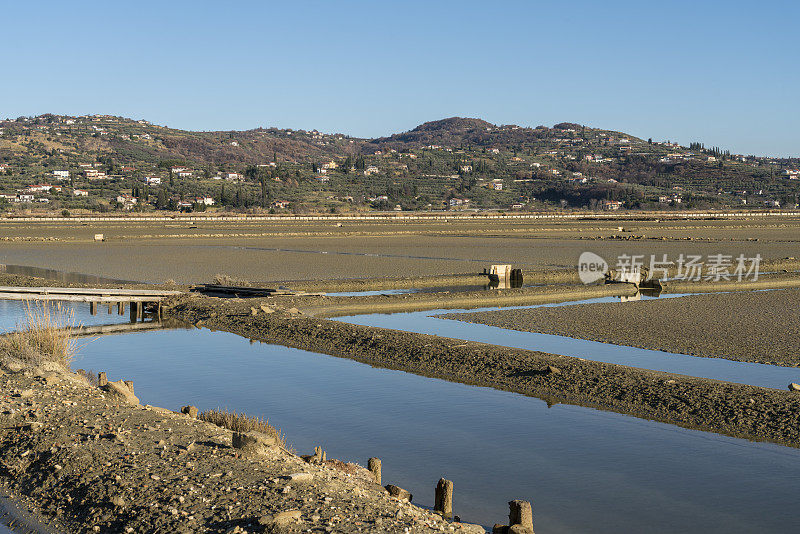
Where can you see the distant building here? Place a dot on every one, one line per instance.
(280, 204)
(80, 193)
(61, 175)
(372, 169)
(611, 205)
(152, 180)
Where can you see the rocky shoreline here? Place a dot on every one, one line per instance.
(727, 408)
(84, 459)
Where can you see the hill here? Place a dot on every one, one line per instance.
(452, 163)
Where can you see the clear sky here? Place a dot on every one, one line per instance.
(723, 73)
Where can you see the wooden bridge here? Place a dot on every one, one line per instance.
(139, 299)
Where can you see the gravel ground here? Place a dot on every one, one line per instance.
(85, 462)
(753, 326)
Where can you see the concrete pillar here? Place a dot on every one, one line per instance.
(443, 502)
(520, 513)
(374, 465)
(93, 308)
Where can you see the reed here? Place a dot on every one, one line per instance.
(239, 422)
(45, 334)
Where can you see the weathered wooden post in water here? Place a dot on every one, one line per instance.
(110, 308)
(93, 308)
(443, 501)
(520, 513)
(374, 465)
(121, 308)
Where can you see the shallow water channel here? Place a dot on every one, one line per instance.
(427, 322)
(584, 470)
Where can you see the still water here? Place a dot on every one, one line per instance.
(427, 322)
(584, 470)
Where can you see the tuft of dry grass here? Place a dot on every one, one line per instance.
(45, 335)
(239, 422)
(227, 280)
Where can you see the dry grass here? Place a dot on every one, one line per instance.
(239, 422)
(226, 280)
(45, 335)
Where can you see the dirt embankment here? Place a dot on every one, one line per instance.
(727, 408)
(756, 326)
(324, 306)
(83, 460)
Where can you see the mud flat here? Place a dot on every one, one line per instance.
(285, 251)
(83, 460)
(727, 408)
(753, 326)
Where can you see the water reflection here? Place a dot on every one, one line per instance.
(61, 276)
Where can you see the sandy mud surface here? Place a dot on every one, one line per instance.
(753, 326)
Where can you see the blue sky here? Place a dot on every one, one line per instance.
(723, 73)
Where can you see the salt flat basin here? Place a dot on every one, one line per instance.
(424, 322)
(585, 470)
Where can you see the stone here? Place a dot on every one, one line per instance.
(102, 379)
(253, 311)
(553, 370)
(519, 529)
(301, 478)
(120, 392)
(293, 311)
(469, 528)
(118, 501)
(253, 442)
(266, 309)
(399, 493)
(14, 366)
(520, 513)
(191, 411)
(794, 387)
(285, 517)
(499, 529)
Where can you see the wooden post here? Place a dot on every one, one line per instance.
(158, 311)
(374, 465)
(134, 311)
(443, 502)
(520, 513)
(93, 308)
(140, 310)
(121, 308)
(110, 308)
(102, 379)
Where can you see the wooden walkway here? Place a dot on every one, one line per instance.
(81, 294)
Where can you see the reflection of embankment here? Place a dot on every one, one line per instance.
(127, 328)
